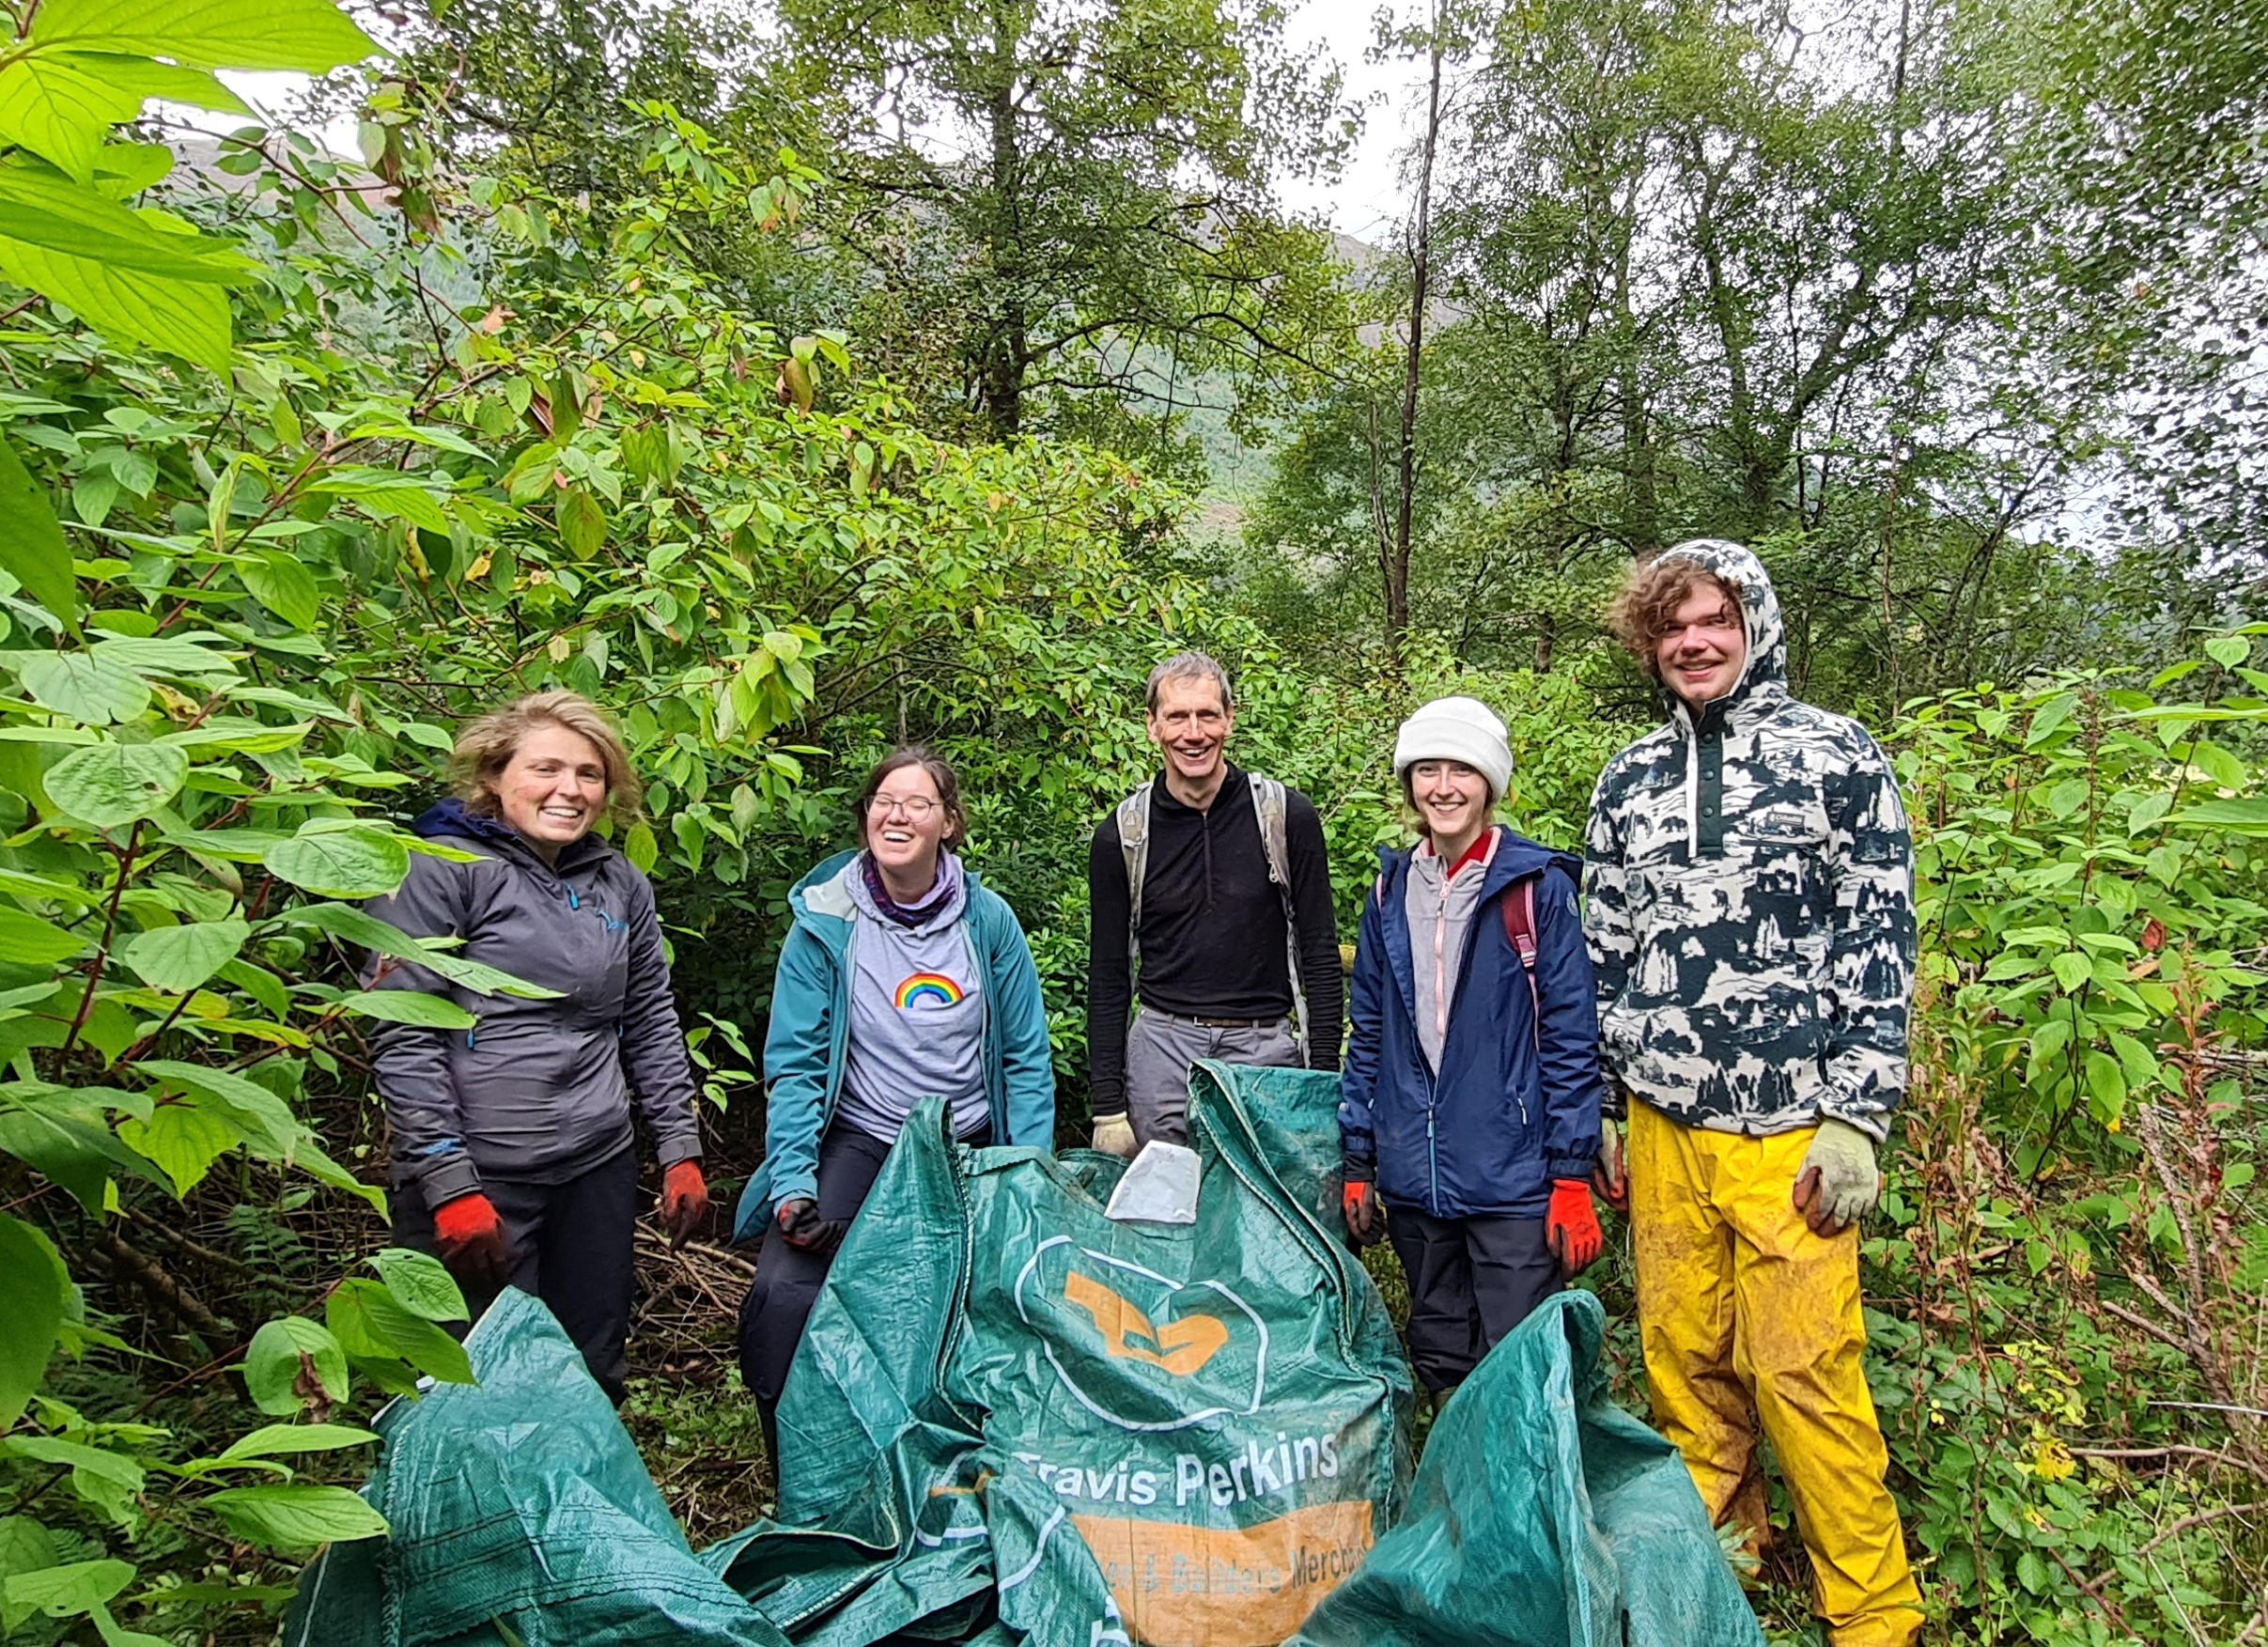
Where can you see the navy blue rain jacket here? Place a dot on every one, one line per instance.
(1511, 1109)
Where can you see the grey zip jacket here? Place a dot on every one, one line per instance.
(1750, 902)
(538, 1091)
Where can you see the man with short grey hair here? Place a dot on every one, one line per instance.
(1210, 906)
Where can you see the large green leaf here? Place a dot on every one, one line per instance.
(181, 959)
(42, 208)
(61, 105)
(265, 1121)
(279, 581)
(283, 1440)
(174, 315)
(159, 655)
(77, 1154)
(338, 863)
(286, 1356)
(34, 1291)
(408, 1006)
(113, 784)
(30, 941)
(296, 1518)
(90, 689)
(420, 1284)
(32, 549)
(371, 1324)
(359, 926)
(183, 1139)
(2241, 818)
(311, 36)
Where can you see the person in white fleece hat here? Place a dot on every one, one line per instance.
(1469, 1104)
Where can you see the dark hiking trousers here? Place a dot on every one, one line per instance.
(1471, 1280)
(573, 1246)
(788, 1278)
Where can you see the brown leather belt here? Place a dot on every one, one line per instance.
(1218, 1023)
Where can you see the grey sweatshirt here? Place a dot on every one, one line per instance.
(1440, 908)
(917, 1015)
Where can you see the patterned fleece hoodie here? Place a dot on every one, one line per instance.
(1750, 911)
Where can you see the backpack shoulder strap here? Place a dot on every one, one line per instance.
(1134, 843)
(1517, 906)
(1270, 806)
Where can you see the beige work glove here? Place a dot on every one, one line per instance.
(1839, 1183)
(1114, 1136)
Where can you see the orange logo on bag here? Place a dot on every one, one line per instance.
(1180, 1348)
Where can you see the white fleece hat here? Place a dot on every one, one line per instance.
(1457, 730)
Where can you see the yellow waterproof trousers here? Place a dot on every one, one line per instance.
(1739, 1301)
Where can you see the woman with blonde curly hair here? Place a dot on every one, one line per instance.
(513, 1143)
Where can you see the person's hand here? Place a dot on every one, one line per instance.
(1571, 1227)
(806, 1231)
(470, 1238)
(1839, 1183)
(1359, 1207)
(684, 1201)
(1610, 1173)
(1114, 1136)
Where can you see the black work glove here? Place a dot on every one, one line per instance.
(806, 1231)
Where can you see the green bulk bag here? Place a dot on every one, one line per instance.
(1014, 1420)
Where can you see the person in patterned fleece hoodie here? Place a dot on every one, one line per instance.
(1750, 918)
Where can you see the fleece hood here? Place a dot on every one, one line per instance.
(1768, 661)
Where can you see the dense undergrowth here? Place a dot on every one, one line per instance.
(313, 478)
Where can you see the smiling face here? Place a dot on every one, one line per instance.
(553, 788)
(1190, 725)
(905, 823)
(1702, 654)
(1452, 801)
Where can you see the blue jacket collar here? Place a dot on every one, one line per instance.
(1516, 857)
(823, 907)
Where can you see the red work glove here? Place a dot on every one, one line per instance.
(1359, 1207)
(471, 1243)
(1572, 1226)
(684, 1201)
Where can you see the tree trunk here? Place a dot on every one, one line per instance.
(1421, 272)
(1007, 347)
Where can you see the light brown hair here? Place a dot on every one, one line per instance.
(1645, 607)
(940, 773)
(486, 746)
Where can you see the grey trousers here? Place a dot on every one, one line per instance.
(1160, 1050)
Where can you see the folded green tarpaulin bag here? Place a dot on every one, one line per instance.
(1012, 1419)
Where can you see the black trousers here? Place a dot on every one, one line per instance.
(788, 1278)
(1471, 1280)
(573, 1246)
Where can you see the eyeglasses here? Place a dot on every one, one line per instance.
(918, 808)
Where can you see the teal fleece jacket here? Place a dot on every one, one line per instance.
(807, 1043)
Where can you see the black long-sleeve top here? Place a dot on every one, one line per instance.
(1212, 927)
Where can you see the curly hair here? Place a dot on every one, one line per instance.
(486, 746)
(1645, 607)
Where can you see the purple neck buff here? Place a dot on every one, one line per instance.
(940, 889)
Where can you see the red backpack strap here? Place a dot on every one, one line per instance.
(1517, 906)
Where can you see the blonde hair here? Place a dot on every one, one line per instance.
(486, 746)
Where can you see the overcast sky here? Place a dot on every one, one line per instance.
(1364, 202)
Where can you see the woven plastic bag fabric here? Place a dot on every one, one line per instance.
(1543, 1515)
(519, 1500)
(1010, 1408)
(1012, 1421)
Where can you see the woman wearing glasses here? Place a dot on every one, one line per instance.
(901, 979)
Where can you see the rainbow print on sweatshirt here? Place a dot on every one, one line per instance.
(931, 990)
